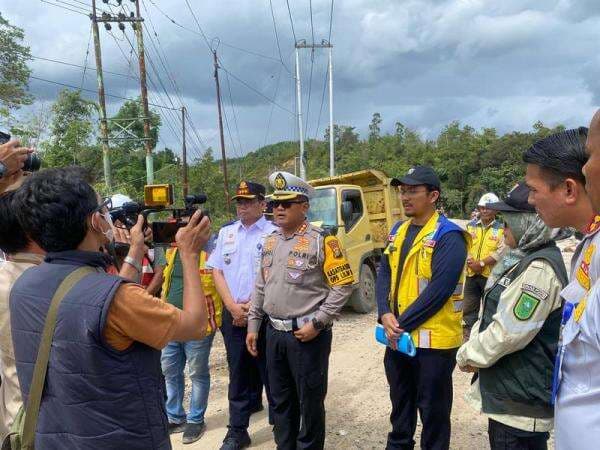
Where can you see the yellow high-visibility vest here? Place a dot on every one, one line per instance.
(444, 329)
(485, 241)
(214, 303)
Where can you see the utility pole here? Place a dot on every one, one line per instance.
(142, 61)
(184, 154)
(223, 158)
(101, 101)
(299, 103)
(331, 149)
(324, 44)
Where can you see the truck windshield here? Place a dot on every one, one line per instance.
(323, 208)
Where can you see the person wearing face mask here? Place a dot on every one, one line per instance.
(513, 344)
(104, 387)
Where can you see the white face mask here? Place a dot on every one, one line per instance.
(109, 234)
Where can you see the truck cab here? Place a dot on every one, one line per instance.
(359, 208)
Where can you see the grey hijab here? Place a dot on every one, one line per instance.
(530, 232)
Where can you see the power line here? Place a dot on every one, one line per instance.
(330, 21)
(237, 130)
(272, 108)
(291, 20)
(63, 7)
(87, 54)
(94, 92)
(277, 36)
(79, 66)
(312, 27)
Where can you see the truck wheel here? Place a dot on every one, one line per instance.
(363, 298)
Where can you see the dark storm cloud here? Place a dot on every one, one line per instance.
(424, 63)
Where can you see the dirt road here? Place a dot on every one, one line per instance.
(357, 402)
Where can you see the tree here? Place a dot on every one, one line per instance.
(375, 127)
(14, 72)
(72, 137)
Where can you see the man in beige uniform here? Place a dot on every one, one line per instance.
(303, 282)
(512, 345)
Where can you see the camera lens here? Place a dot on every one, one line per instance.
(32, 163)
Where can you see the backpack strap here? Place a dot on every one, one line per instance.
(41, 364)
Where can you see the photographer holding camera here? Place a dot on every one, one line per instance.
(13, 158)
(104, 386)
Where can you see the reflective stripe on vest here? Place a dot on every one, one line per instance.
(443, 330)
(214, 304)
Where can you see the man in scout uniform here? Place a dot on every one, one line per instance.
(577, 391)
(419, 290)
(195, 353)
(303, 283)
(235, 263)
(512, 345)
(486, 249)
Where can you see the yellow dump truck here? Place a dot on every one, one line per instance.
(360, 209)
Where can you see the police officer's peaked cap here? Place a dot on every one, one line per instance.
(289, 187)
(515, 201)
(249, 190)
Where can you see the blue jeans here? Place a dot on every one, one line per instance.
(173, 360)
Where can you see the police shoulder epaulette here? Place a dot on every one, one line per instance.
(231, 222)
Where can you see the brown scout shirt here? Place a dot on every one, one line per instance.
(300, 275)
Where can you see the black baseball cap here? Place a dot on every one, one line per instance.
(515, 201)
(250, 190)
(418, 175)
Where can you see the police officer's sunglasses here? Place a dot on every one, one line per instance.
(105, 203)
(285, 204)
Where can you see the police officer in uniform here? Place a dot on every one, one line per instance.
(303, 283)
(486, 249)
(235, 262)
(419, 290)
(513, 344)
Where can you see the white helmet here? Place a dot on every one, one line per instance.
(485, 199)
(119, 199)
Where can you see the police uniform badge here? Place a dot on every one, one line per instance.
(280, 182)
(583, 271)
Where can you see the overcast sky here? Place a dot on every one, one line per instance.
(503, 64)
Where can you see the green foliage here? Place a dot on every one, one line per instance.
(14, 73)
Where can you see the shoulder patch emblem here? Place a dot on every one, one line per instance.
(535, 291)
(525, 307)
(334, 245)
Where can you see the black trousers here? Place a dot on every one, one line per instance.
(504, 437)
(246, 373)
(424, 384)
(298, 383)
(474, 288)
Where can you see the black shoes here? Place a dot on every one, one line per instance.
(193, 432)
(175, 428)
(236, 440)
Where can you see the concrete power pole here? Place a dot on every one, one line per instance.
(223, 157)
(324, 44)
(184, 154)
(299, 103)
(101, 101)
(331, 137)
(142, 61)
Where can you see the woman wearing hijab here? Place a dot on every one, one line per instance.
(513, 344)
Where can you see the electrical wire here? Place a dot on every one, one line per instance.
(291, 20)
(85, 62)
(277, 36)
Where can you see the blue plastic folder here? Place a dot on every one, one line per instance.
(405, 341)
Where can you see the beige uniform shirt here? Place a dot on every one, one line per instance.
(300, 275)
(508, 334)
(10, 392)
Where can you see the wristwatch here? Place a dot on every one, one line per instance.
(2, 170)
(482, 264)
(318, 324)
(132, 262)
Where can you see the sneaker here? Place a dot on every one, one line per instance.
(193, 432)
(175, 428)
(235, 440)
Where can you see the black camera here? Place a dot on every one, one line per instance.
(163, 232)
(33, 161)
(157, 199)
